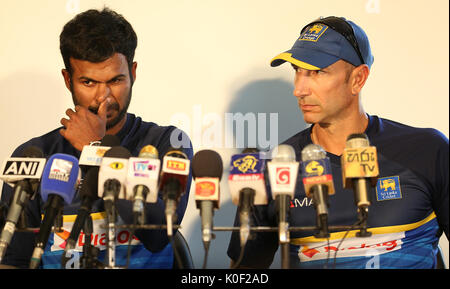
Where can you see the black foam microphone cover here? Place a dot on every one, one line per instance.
(117, 152)
(207, 164)
(32, 152)
(110, 140)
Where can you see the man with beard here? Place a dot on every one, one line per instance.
(98, 50)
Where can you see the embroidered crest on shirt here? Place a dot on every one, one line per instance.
(388, 188)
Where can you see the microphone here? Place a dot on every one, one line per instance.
(207, 168)
(58, 185)
(360, 171)
(174, 176)
(247, 187)
(283, 171)
(318, 183)
(92, 155)
(28, 167)
(27, 172)
(112, 174)
(142, 180)
(90, 160)
(111, 177)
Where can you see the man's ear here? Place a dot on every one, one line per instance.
(133, 71)
(66, 75)
(359, 77)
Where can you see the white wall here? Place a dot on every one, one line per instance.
(203, 58)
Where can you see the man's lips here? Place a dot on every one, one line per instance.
(307, 107)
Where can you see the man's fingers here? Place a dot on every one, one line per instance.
(64, 122)
(103, 109)
(70, 112)
(62, 132)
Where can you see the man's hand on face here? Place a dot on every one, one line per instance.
(84, 126)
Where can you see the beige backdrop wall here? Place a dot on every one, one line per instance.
(200, 59)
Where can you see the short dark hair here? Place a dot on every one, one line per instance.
(95, 36)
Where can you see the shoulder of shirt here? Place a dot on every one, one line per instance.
(389, 130)
(138, 123)
(46, 142)
(158, 135)
(298, 138)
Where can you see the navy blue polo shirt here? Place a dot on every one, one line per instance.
(150, 248)
(408, 212)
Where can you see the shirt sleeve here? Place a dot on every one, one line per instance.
(440, 198)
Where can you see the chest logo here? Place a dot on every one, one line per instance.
(388, 188)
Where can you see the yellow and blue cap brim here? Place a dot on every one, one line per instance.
(287, 57)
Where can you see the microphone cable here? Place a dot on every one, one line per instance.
(239, 260)
(357, 223)
(328, 254)
(205, 257)
(132, 231)
(175, 251)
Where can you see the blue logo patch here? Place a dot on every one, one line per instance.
(388, 188)
(314, 32)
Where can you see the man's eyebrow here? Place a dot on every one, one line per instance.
(82, 78)
(117, 77)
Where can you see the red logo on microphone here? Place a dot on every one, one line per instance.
(283, 176)
(205, 188)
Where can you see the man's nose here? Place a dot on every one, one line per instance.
(301, 85)
(103, 92)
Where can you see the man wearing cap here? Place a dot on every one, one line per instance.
(409, 204)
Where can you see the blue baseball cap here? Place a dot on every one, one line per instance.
(325, 41)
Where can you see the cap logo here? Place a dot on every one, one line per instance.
(313, 33)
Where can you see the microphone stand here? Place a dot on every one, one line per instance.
(282, 203)
(320, 201)
(111, 247)
(89, 258)
(362, 202)
(246, 200)
(112, 188)
(363, 213)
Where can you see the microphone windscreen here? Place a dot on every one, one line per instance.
(207, 164)
(283, 153)
(117, 152)
(250, 151)
(357, 140)
(149, 152)
(110, 141)
(357, 135)
(313, 152)
(176, 153)
(32, 152)
(90, 183)
(60, 177)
